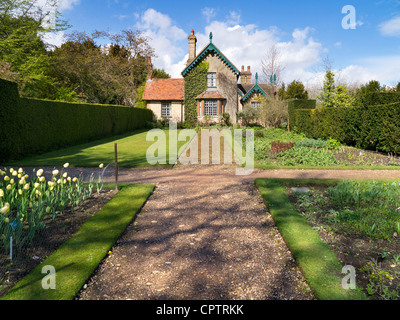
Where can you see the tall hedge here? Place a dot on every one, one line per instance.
(378, 98)
(298, 104)
(31, 126)
(374, 127)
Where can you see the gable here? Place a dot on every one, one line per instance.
(254, 90)
(210, 49)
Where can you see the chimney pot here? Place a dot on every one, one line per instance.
(149, 69)
(248, 68)
(192, 47)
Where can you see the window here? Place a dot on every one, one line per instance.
(210, 108)
(211, 80)
(166, 109)
(256, 104)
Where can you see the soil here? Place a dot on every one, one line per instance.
(54, 234)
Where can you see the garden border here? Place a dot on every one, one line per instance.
(320, 266)
(77, 259)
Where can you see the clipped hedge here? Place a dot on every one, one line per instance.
(368, 127)
(31, 126)
(296, 105)
(378, 98)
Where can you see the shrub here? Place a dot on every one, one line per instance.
(225, 119)
(274, 113)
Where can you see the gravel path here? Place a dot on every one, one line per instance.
(199, 236)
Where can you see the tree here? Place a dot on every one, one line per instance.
(107, 75)
(160, 74)
(272, 65)
(296, 90)
(23, 25)
(282, 92)
(342, 97)
(328, 90)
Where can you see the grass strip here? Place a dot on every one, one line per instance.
(320, 266)
(77, 258)
(132, 152)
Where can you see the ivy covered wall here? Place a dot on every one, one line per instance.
(195, 83)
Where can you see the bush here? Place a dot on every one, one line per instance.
(274, 113)
(225, 119)
(31, 126)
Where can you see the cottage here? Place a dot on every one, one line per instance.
(223, 93)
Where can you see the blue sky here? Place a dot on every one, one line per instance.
(304, 31)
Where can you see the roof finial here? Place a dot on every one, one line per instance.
(211, 36)
(256, 78)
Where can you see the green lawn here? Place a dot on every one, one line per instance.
(77, 258)
(132, 148)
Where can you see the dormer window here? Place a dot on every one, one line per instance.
(212, 80)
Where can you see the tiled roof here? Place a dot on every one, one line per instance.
(164, 90)
(210, 94)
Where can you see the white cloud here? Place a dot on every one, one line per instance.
(390, 27)
(165, 38)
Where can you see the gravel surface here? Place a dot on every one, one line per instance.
(199, 236)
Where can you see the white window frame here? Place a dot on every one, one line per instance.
(256, 104)
(211, 108)
(212, 79)
(165, 109)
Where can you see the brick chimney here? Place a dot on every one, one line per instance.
(245, 76)
(149, 69)
(192, 47)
